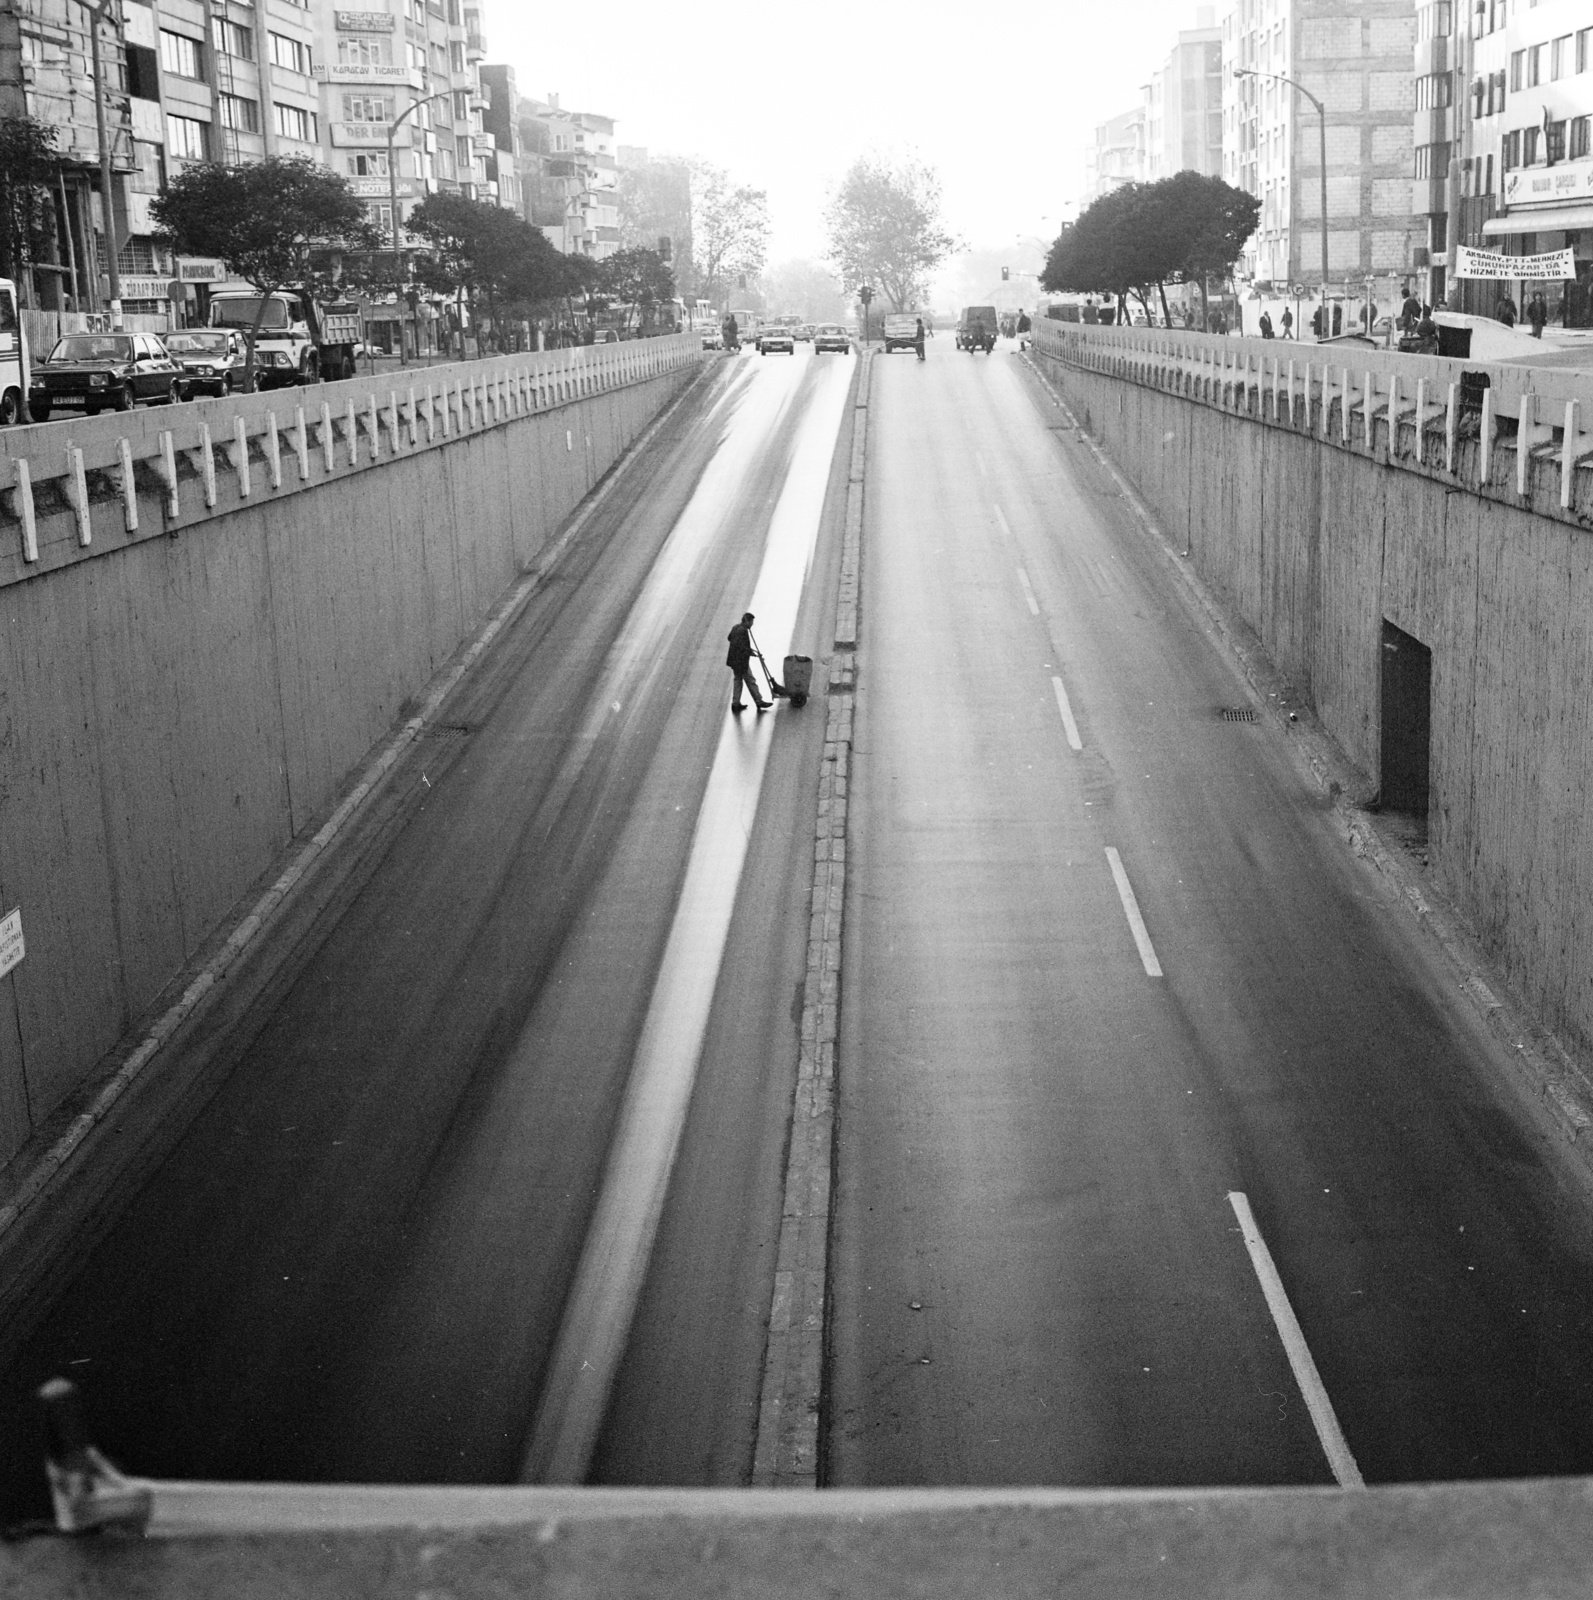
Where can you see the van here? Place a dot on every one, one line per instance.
(976, 328)
(13, 357)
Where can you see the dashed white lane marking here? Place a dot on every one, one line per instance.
(1136, 923)
(1028, 593)
(1334, 1445)
(1069, 726)
(1001, 518)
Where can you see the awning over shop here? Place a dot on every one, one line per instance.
(1552, 219)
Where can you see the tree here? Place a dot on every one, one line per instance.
(730, 230)
(885, 228)
(279, 223)
(1145, 235)
(654, 198)
(636, 278)
(807, 289)
(28, 166)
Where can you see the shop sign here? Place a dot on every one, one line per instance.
(201, 269)
(379, 188)
(1471, 263)
(1548, 186)
(360, 134)
(146, 288)
(12, 948)
(383, 72)
(366, 21)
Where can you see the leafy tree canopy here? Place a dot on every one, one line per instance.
(28, 165)
(729, 230)
(885, 228)
(635, 277)
(488, 252)
(1145, 235)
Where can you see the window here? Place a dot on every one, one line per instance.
(231, 39)
(1518, 69)
(1433, 21)
(456, 56)
(1554, 141)
(1584, 49)
(1561, 57)
(293, 122)
(1434, 91)
(467, 152)
(367, 164)
(1496, 92)
(359, 107)
(363, 50)
(1529, 146)
(179, 55)
(1432, 161)
(289, 54)
(239, 114)
(1581, 138)
(1534, 66)
(1479, 98)
(461, 106)
(185, 138)
(1510, 150)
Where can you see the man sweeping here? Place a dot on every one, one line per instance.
(739, 659)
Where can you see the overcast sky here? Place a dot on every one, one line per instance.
(1000, 97)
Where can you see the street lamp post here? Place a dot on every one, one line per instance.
(392, 199)
(107, 206)
(1321, 128)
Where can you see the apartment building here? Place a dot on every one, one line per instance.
(1117, 155)
(46, 73)
(1524, 87)
(1183, 104)
(1356, 58)
(569, 174)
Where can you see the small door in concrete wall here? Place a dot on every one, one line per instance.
(1407, 721)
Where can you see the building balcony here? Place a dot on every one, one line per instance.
(1433, 127)
(1432, 55)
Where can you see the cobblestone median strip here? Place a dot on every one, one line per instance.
(786, 1454)
(1551, 1074)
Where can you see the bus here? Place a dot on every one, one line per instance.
(13, 357)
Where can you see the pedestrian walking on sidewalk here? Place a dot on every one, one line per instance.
(739, 659)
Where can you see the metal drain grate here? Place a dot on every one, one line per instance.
(1240, 716)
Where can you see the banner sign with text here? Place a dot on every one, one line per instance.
(1471, 263)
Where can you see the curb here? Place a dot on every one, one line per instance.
(1546, 1068)
(786, 1452)
(38, 1178)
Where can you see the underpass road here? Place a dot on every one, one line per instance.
(1039, 1276)
(354, 1265)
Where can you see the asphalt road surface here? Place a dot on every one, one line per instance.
(1107, 967)
(357, 1263)
(1166, 1155)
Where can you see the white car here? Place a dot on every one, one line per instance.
(776, 339)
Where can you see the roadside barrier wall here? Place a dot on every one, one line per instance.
(1325, 497)
(210, 612)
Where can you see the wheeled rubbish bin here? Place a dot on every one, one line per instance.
(798, 678)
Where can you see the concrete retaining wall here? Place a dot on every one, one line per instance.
(209, 614)
(1323, 501)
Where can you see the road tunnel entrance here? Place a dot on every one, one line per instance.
(1406, 722)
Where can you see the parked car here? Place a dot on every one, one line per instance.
(211, 359)
(831, 336)
(901, 331)
(976, 328)
(94, 372)
(776, 339)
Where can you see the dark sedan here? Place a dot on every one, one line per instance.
(94, 372)
(211, 358)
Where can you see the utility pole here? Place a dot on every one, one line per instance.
(107, 205)
(392, 200)
(1321, 128)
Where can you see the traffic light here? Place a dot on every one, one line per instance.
(1005, 274)
(666, 248)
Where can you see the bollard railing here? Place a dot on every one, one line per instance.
(198, 460)
(1532, 414)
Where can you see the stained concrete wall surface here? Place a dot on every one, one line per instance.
(1324, 500)
(210, 614)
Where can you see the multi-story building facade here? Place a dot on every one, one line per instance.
(1440, 103)
(1117, 155)
(1524, 170)
(46, 74)
(569, 176)
(1183, 104)
(1355, 57)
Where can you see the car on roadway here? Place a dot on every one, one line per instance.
(901, 331)
(776, 339)
(804, 330)
(831, 336)
(211, 358)
(94, 372)
(712, 339)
